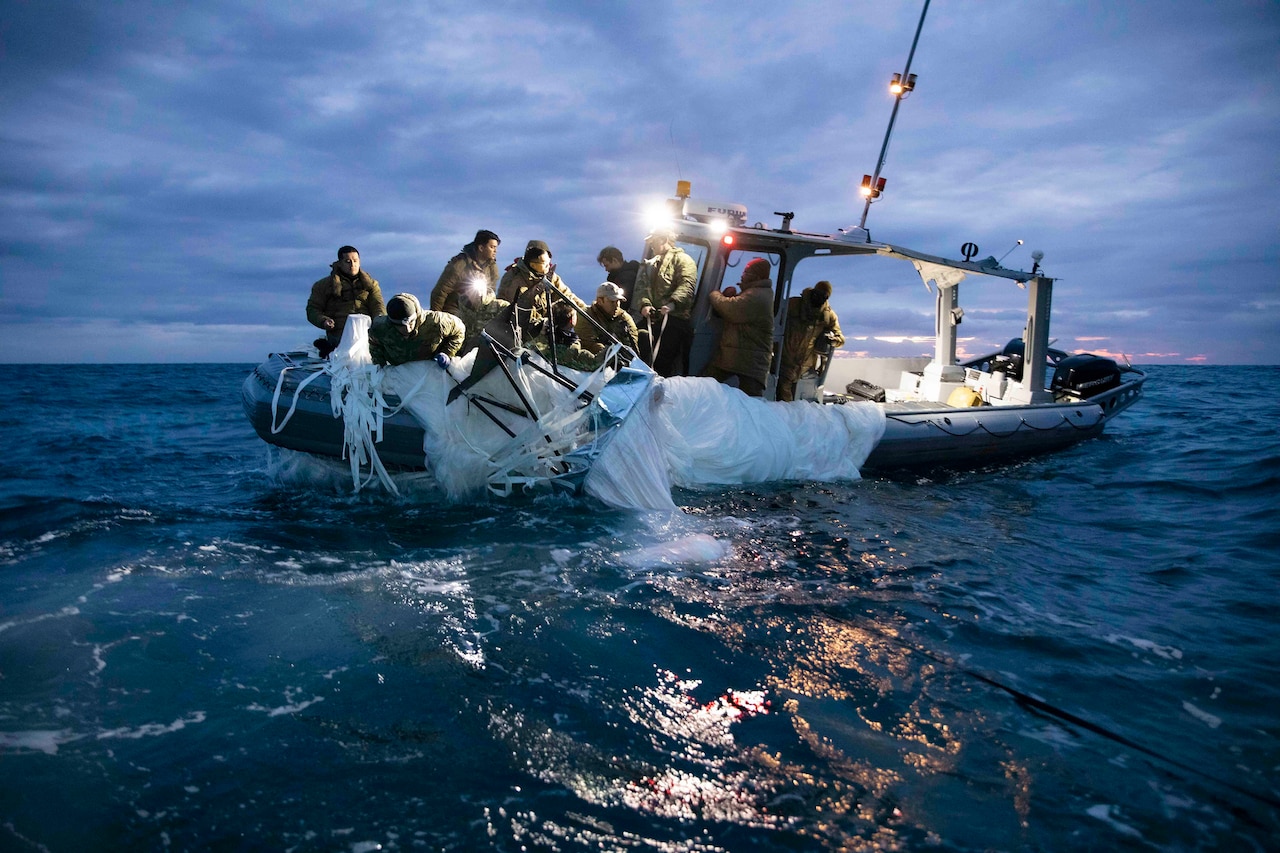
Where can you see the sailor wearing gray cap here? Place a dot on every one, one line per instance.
(608, 317)
(609, 290)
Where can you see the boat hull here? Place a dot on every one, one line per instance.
(313, 428)
(941, 438)
(925, 435)
(917, 435)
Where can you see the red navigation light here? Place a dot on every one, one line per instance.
(727, 239)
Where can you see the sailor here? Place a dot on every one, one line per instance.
(620, 272)
(812, 326)
(521, 285)
(408, 333)
(477, 262)
(608, 314)
(476, 307)
(345, 291)
(746, 339)
(665, 288)
(568, 349)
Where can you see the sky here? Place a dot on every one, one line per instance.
(174, 176)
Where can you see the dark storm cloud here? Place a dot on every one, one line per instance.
(185, 172)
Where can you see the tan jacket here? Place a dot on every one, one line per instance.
(805, 325)
(746, 341)
(521, 286)
(457, 274)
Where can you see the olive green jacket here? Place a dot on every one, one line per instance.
(746, 339)
(336, 297)
(521, 286)
(805, 325)
(461, 270)
(669, 279)
(476, 317)
(435, 332)
(620, 325)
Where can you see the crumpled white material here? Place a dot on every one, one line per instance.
(691, 432)
(632, 472)
(355, 392)
(716, 435)
(465, 449)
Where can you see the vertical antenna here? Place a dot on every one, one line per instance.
(873, 185)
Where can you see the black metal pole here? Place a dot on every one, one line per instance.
(897, 101)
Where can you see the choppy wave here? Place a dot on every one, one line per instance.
(203, 642)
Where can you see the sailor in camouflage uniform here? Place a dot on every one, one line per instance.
(408, 333)
(476, 307)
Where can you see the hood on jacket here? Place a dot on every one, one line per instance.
(339, 277)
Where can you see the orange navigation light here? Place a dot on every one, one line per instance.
(683, 189)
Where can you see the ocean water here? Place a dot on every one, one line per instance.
(206, 644)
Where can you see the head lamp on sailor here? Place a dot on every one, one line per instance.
(403, 312)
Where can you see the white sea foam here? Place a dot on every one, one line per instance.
(46, 741)
(291, 708)
(1106, 814)
(66, 611)
(291, 704)
(153, 729)
(1165, 652)
(1203, 716)
(695, 548)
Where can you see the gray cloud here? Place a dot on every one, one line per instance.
(173, 179)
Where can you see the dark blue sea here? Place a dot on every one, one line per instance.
(209, 645)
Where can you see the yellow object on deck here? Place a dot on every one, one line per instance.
(963, 398)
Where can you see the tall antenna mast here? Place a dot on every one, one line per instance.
(901, 86)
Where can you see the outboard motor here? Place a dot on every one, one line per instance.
(1084, 376)
(1009, 362)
